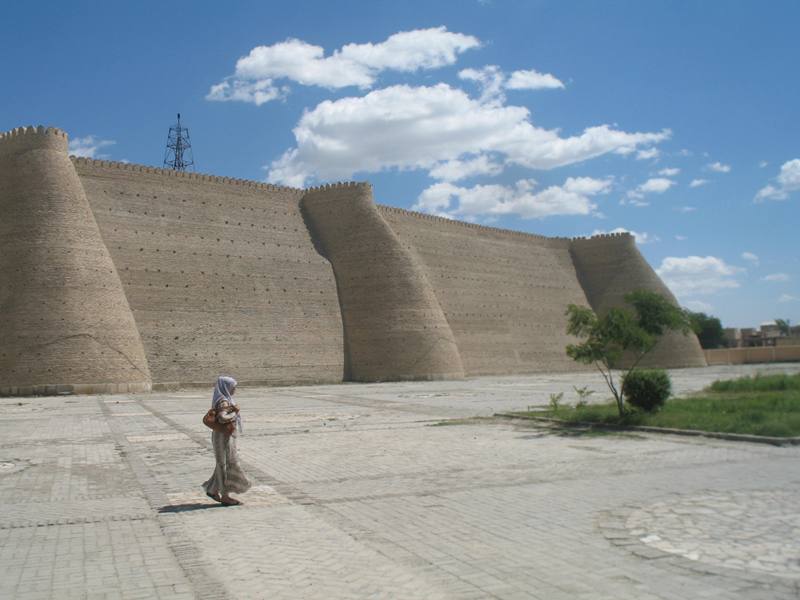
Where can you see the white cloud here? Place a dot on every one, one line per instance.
(648, 153)
(775, 277)
(719, 167)
(654, 185)
(491, 81)
(698, 182)
(404, 127)
(670, 172)
(787, 298)
(454, 170)
(788, 181)
(89, 146)
(640, 237)
(751, 258)
(681, 238)
(351, 65)
(571, 198)
(657, 185)
(685, 209)
(256, 92)
(533, 80)
(697, 275)
(699, 306)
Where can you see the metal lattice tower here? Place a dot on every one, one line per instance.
(179, 150)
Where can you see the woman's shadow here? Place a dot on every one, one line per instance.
(187, 507)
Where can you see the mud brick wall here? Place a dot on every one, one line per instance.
(118, 277)
(610, 266)
(503, 293)
(394, 325)
(221, 275)
(65, 322)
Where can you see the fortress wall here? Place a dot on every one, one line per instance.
(66, 323)
(394, 326)
(504, 293)
(221, 275)
(610, 266)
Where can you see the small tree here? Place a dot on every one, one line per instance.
(632, 332)
(784, 326)
(708, 330)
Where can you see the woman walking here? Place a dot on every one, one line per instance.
(228, 475)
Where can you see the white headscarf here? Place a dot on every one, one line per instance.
(222, 391)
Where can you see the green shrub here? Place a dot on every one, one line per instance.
(647, 390)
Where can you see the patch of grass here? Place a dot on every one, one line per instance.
(761, 405)
(759, 383)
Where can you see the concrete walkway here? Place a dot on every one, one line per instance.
(360, 493)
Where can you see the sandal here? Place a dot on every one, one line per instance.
(231, 502)
(214, 497)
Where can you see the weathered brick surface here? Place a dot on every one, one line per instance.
(221, 275)
(504, 293)
(610, 266)
(394, 325)
(114, 277)
(65, 317)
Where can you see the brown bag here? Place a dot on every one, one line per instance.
(210, 421)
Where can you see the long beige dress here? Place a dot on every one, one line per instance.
(228, 476)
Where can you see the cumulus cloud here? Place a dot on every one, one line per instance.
(654, 185)
(775, 277)
(698, 182)
(751, 258)
(351, 65)
(719, 167)
(670, 172)
(640, 237)
(533, 80)
(454, 170)
(493, 81)
(89, 146)
(699, 306)
(573, 197)
(648, 153)
(697, 275)
(787, 181)
(404, 127)
(657, 185)
(255, 92)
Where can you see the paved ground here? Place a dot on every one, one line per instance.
(359, 494)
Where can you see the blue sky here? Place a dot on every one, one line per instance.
(675, 120)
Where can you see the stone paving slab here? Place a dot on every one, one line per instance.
(389, 491)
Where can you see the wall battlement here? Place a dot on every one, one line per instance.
(22, 139)
(136, 168)
(115, 277)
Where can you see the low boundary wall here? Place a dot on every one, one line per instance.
(743, 356)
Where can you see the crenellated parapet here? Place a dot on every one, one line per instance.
(445, 222)
(83, 163)
(22, 139)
